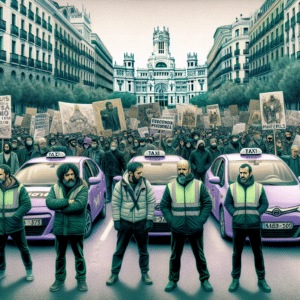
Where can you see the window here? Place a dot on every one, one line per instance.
(87, 173)
(1, 42)
(139, 99)
(177, 99)
(161, 47)
(245, 31)
(94, 168)
(30, 4)
(129, 86)
(237, 46)
(192, 85)
(183, 99)
(37, 11)
(30, 28)
(150, 99)
(171, 99)
(30, 52)
(37, 32)
(49, 58)
(37, 54)
(13, 19)
(22, 24)
(13, 47)
(44, 56)
(22, 49)
(237, 32)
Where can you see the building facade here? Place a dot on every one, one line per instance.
(228, 59)
(266, 38)
(161, 81)
(40, 40)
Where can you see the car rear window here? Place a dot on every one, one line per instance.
(266, 172)
(160, 173)
(39, 174)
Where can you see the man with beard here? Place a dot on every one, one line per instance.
(26, 153)
(144, 147)
(42, 150)
(213, 149)
(113, 165)
(129, 142)
(110, 118)
(287, 142)
(233, 146)
(188, 149)
(133, 203)
(73, 149)
(257, 142)
(168, 148)
(9, 158)
(200, 160)
(246, 201)
(68, 198)
(293, 161)
(186, 206)
(95, 153)
(16, 205)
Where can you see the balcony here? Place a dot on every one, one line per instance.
(38, 20)
(2, 55)
(44, 44)
(50, 67)
(287, 25)
(23, 34)
(50, 48)
(293, 21)
(49, 27)
(246, 51)
(23, 10)
(237, 52)
(30, 62)
(44, 66)
(38, 41)
(2, 25)
(56, 52)
(30, 38)
(14, 58)
(30, 15)
(293, 56)
(14, 4)
(237, 66)
(23, 60)
(246, 66)
(38, 64)
(14, 30)
(245, 80)
(44, 24)
(237, 80)
(57, 33)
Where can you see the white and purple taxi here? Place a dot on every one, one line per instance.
(281, 221)
(38, 175)
(159, 169)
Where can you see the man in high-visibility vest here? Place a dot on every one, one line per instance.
(68, 198)
(14, 204)
(246, 201)
(186, 206)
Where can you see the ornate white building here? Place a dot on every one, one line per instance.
(161, 81)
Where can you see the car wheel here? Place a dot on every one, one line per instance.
(222, 223)
(88, 225)
(102, 214)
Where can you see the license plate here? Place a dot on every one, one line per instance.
(277, 225)
(159, 220)
(33, 222)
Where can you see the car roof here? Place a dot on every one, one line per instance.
(239, 157)
(67, 159)
(167, 158)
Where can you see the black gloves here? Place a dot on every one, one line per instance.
(148, 225)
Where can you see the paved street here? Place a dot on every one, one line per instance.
(282, 266)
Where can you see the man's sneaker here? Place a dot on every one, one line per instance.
(146, 278)
(234, 285)
(264, 286)
(170, 286)
(29, 275)
(207, 286)
(81, 284)
(2, 274)
(112, 279)
(56, 285)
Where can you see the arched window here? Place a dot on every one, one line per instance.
(30, 77)
(13, 75)
(37, 77)
(22, 76)
(161, 65)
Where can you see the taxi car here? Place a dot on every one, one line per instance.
(281, 221)
(38, 175)
(159, 169)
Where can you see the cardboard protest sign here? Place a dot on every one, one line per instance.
(206, 122)
(143, 131)
(236, 119)
(292, 117)
(133, 111)
(134, 123)
(50, 112)
(227, 112)
(5, 116)
(227, 121)
(26, 121)
(237, 128)
(56, 125)
(161, 124)
(31, 111)
(272, 111)
(163, 132)
(254, 118)
(234, 110)
(77, 118)
(18, 121)
(32, 125)
(214, 114)
(244, 117)
(187, 115)
(109, 116)
(146, 112)
(39, 133)
(254, 105)
(297, 140)
(42, 122)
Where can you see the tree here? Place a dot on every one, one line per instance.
(199, 100)
(64, 94)
(126, 98)
(80, 94)
(9, 86)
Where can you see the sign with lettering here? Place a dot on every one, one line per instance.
(154, 153)
(5, 116)
(162, 124)
(251, 151)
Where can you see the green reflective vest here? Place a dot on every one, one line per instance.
(60, 194)
(9, 201)
(246, 203)
(185, 200)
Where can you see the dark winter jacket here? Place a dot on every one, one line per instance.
(12, 162)
(200, 161)
(26, 153)
(229, 149)
(113, 163)
(186, 152)
(258, 144)
(96, 155)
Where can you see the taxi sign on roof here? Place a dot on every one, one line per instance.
(251, 151)
(56, 155)
(154, 153)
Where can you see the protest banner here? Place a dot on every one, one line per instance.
(206, 122)
(297, 140)
(5, 117)
(134, 123)
(146, 112)
(227, 121)
(26, 121)
(50, 112)
(31, 111)
(163, 132)
(143, 131)
(234, 109)
(253, 105)
(161, 124)
(237, 128)
(227, 112)
(39, 133)
(214, 114)
(133, 111)
(272, 111)
(18, 121)
(42, 122)
(292, 117)
(109, 115)
(56, 125)
(254, 118)
(32, 125)
(244, 117)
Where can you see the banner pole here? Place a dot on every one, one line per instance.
(274, 137)
(160, 140)
(2, 144)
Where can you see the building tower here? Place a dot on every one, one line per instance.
(192, 60)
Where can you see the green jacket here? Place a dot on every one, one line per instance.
(13, 221)
(187, 225)
(69, 219)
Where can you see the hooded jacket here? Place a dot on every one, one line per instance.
(13, 161)
(26, 152)
(95, 154)
(123, 206)
(186, 152)
(169, 150)
(113, 163)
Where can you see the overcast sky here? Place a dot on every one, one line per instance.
(128, 25)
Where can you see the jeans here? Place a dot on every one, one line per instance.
(19, 239)
(177, 243)
(61, 243)
(239, 237)
(124, 236)
(110, 185)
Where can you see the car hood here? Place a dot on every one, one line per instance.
(158, 192)
(283, 196)
(38, 195)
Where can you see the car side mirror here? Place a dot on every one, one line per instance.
(94, 180)
(214, 180)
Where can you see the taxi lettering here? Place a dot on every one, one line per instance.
(153, 153)
(251, 151)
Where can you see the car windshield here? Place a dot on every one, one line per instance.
(266, 172)
(160, 173)
(39, 174)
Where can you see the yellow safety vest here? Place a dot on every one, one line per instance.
(60, 194)
(9, 201)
